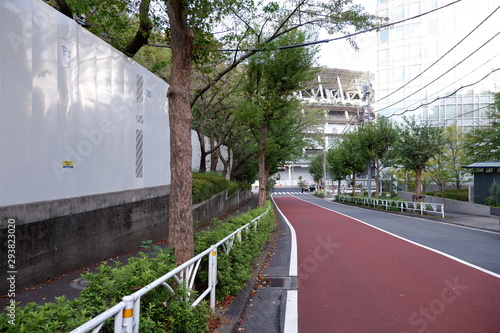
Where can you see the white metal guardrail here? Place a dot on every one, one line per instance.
(422, 207)
(127, 313)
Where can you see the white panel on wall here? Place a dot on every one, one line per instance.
(156, 134)
(68, 108)
(67, 95)
(15, 95)
(88, 175)
(44, 120)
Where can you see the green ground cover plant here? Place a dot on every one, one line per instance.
(235, 268)
(161, 311)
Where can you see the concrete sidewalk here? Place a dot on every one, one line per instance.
(491, 223)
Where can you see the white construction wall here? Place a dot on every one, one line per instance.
(66, 95)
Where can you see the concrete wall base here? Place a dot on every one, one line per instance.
(56, 237)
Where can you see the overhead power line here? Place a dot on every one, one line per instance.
(440, 58)
(440, 76)
(332, 39)
(438, 98)
(455, 82)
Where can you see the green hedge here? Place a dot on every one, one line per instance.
(461, 195)
(206, 185)
(160, 310)
(235, 269)
(234, 186)
(202, 190)
(106, 287)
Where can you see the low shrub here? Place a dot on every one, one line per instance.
(161, 311)
(234, 269)
(106, 287)
(461, 195)
(202, 190)
(319, 194)
(220, 183)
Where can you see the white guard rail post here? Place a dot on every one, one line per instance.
(127, 313)
(422, 207)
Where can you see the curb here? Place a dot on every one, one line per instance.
(232, 316)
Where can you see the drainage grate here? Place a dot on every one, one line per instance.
(273, 282)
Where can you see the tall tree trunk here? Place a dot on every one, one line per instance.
(203, 154)
(418, 182)
(180, 213)
(225, 162)
(214, 156)
(262, 165)
(203, 161)
(214, 160)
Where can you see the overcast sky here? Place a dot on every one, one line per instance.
(339, 54)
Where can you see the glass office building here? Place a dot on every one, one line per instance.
(438, 64)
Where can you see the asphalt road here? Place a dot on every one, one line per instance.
(477, 247)
(367, 271)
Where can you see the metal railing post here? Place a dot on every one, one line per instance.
(137, 315)
(212, 275)
(128, 315)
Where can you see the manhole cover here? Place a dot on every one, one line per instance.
(79, 283)
(273, 282)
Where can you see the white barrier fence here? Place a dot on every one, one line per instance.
(422, 207)
(127, 313)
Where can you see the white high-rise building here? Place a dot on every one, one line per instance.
(423, 60)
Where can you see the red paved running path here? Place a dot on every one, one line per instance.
(355, 278)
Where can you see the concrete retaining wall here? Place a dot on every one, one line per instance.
(56, 237)
(452, 206)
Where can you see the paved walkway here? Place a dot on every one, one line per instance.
(389, 286)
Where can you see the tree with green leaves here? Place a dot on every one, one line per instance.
(190, 28)
(418, 142)
(352, 157)
(483, 143)
(376, 140)
(317, 168)
(271, 113)
(214, 119)
(335, 165)
(448, 167)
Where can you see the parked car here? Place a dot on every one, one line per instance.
(312, 187)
